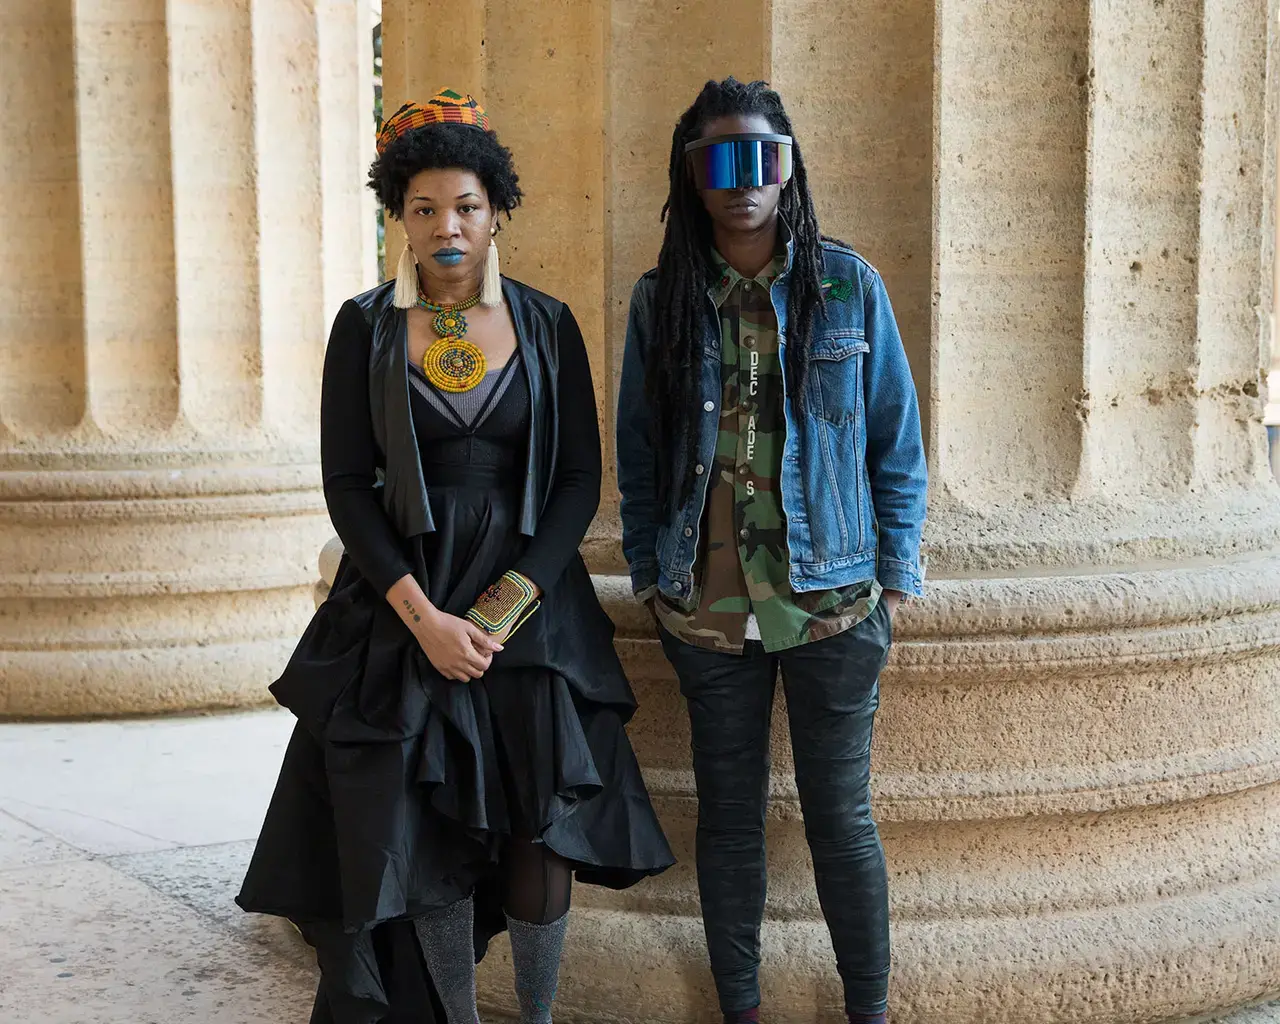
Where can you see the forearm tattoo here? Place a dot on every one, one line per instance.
(412, 610)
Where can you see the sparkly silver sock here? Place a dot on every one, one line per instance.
(448, 946)
(535, 954)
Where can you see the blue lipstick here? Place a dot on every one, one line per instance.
(448, 257)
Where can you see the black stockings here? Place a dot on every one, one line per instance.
(536, 882)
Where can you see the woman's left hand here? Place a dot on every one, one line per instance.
(501, 636)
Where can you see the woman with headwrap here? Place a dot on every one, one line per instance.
(460, 752)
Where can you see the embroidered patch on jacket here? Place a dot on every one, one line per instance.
(837, 288)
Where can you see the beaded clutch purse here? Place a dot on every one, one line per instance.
(509, 602)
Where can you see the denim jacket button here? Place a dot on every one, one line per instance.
(688, 531)
(699, 469)
(708, 406)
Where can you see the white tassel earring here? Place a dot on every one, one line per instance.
(491, 290)
(406, 296)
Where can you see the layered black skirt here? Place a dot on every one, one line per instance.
(399, 787)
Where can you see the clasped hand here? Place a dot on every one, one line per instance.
(459, 650)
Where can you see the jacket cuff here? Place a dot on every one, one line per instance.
(906, 577)
(644, 576)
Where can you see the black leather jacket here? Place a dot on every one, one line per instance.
(562, 476)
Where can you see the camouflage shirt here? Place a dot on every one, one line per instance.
(742, 584)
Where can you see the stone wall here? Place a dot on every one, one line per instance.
(181, 214)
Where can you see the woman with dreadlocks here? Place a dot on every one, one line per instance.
(773, 495)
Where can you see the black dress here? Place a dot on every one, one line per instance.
(399, 787)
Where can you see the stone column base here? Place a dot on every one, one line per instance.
(145, 591)
(1077, 778)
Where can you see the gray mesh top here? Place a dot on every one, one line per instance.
(469, 407)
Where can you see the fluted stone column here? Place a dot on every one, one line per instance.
(180, 216)
(1079, 757)
(1077, 766)
(1271, 414)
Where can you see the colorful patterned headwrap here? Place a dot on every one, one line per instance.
(445, 107)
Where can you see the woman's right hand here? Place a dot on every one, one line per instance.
(458, 649)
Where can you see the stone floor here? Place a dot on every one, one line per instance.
(121, 847)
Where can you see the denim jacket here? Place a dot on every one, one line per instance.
(853, 469)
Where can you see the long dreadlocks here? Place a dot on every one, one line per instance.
(684, 276)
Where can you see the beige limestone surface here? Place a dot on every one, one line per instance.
(121, 847)
(181, 213)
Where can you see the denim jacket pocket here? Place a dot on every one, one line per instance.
(836, 361)
(840, 522)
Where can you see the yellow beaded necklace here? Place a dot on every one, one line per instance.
(452, 363)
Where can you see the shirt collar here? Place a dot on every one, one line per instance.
(725, 278)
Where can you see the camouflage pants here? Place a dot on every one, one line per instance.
(832, 689)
